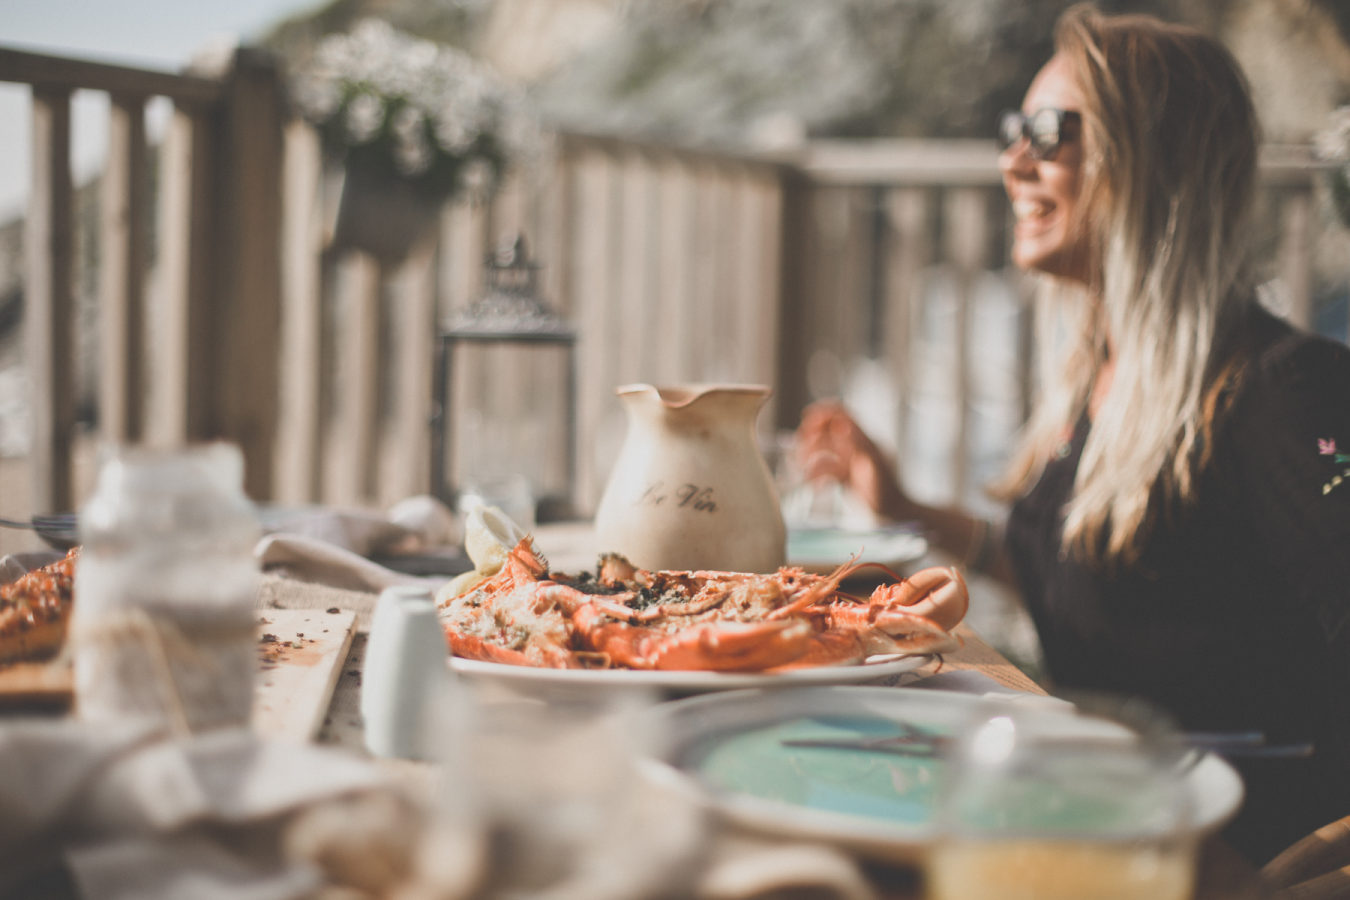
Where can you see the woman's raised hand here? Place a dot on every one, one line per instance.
(831, 446)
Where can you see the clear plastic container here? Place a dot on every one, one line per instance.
(1043, 803)
(163, 624)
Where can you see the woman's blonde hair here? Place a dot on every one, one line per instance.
(1168, 184)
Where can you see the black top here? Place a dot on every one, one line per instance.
(1237, 615)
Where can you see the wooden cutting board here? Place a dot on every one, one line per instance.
(35, 686)
(300, 656)
(301, 652)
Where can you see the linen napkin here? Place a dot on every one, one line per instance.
(412, 525)
(331, 545)
(314, 560)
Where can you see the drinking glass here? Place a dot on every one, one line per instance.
(812, 503)
(1071, 802)
(552, 780)
(511, 494)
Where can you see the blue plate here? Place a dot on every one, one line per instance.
(729, 749)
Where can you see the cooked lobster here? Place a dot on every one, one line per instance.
(622, 616)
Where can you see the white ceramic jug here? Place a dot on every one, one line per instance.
(690, 489)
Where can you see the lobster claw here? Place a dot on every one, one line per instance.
(938, 594)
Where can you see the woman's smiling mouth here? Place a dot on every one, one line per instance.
(1033, 216)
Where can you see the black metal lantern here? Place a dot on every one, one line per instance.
(501, 364)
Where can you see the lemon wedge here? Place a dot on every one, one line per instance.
(489, 535)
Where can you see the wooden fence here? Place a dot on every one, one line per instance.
(673, 265)
(187, 327)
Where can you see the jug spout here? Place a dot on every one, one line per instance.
(682, 395)
(690, 489)
(730, 405)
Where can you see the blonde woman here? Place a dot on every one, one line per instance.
(1177, 527)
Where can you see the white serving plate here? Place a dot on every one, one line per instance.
(690, 682)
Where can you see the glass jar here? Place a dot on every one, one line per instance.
(163, 625)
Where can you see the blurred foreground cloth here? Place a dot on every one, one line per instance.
(131, 812)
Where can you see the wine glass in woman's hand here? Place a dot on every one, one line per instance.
(833, 451)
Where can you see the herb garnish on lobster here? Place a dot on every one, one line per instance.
(624, 617)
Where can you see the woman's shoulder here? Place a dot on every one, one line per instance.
(1286, 363)
(1288, 413)
(1281, 463)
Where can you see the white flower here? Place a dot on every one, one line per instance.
(1333, 142)
(412, 151)
(476, 178)
(365, 115)
(432, 111)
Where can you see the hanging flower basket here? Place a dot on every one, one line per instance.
(382, 214)
(414, 124)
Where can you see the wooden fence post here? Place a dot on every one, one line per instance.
(1295, 255)
(794, 298)
(183, 345)
(404, 440)
(49, 300)
(124, 233)
(353, 439)
(907, 250)
(303, 360)
(246, 308)
(967, 241)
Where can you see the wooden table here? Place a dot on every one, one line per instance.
(569, 547)
(1223, 875)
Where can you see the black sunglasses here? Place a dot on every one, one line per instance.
(1044, 130)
